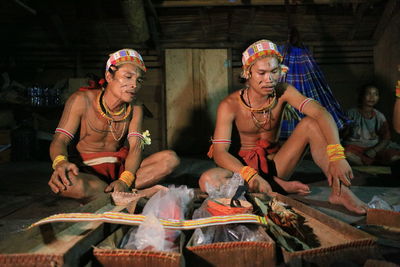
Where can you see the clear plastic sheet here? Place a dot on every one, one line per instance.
(385, 202)
(225, 233)
(151, 235)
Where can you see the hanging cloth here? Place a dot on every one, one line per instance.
(305, 75)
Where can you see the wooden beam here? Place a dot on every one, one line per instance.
(392, 6)
(135, 17)
(196, 3)
(359, 14)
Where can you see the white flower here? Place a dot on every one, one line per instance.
(146, 138)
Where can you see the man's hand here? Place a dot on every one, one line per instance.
(258, 184)
(117, 186)
(339, 170)
(60, 179)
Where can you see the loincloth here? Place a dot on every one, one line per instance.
(106, 165)
(257, 158)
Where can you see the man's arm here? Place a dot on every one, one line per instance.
(223, 130)
(134, 158)
(396, 115)
(66, 129)
(339, 168)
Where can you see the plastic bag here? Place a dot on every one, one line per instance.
(378, 203)
(225, 233)
(227, 190)
(228, 233)
(151, 235)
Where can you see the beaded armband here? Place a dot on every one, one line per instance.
(127, 177)
(398, 89)
(221, 141)
(335, 152)
(304, 103)
(247, 173)
(144, 137)
(58, 159)
(64, 132)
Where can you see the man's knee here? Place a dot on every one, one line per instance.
(170, 160)
(213, 177)
(309, 124)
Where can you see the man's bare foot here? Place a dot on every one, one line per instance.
(348, 200)
(294, 187)
(259, 185)
(149, 192)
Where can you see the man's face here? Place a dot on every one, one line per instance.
(265, 74)
(126, 82)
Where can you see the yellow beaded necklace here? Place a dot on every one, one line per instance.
(266, 111)
(109, 111)
(269, 106)
(103, 111)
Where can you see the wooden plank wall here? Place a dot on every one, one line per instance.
(387, 62)
(196, 81)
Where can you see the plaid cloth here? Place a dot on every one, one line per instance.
(307, 77)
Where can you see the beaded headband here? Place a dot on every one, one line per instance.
(125, 56)
(259, 49)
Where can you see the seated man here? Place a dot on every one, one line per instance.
(257, 113)
(367, 140)
(106, 118)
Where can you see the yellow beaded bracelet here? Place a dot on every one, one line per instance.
(127, 177)
(58, 159)
(335, 152)
(247, 173)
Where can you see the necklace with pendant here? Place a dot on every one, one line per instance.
(265, 111)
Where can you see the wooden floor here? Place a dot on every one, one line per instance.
(25, 196)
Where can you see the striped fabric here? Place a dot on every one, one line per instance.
(125, 55)
(137, 219)
(307, 77)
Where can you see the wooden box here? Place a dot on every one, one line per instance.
(339, 242)
(383, 217)
(228, 254)
(107, 254)
(58, 244)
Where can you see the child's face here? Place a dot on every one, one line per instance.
(371, 97)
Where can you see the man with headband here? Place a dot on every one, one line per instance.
(257, 112)
(105, 119)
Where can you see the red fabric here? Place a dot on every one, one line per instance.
(257, 156)
(110, 170)
(93, 85)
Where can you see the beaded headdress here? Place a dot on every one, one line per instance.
(259, 49)
(125, 56)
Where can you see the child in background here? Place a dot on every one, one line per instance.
(368, 139)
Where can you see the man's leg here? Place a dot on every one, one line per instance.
(214, 177)
(83, 187)
(155, 167)
(308, 132)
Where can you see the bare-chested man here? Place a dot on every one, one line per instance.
(257, 112)
(106, 118)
